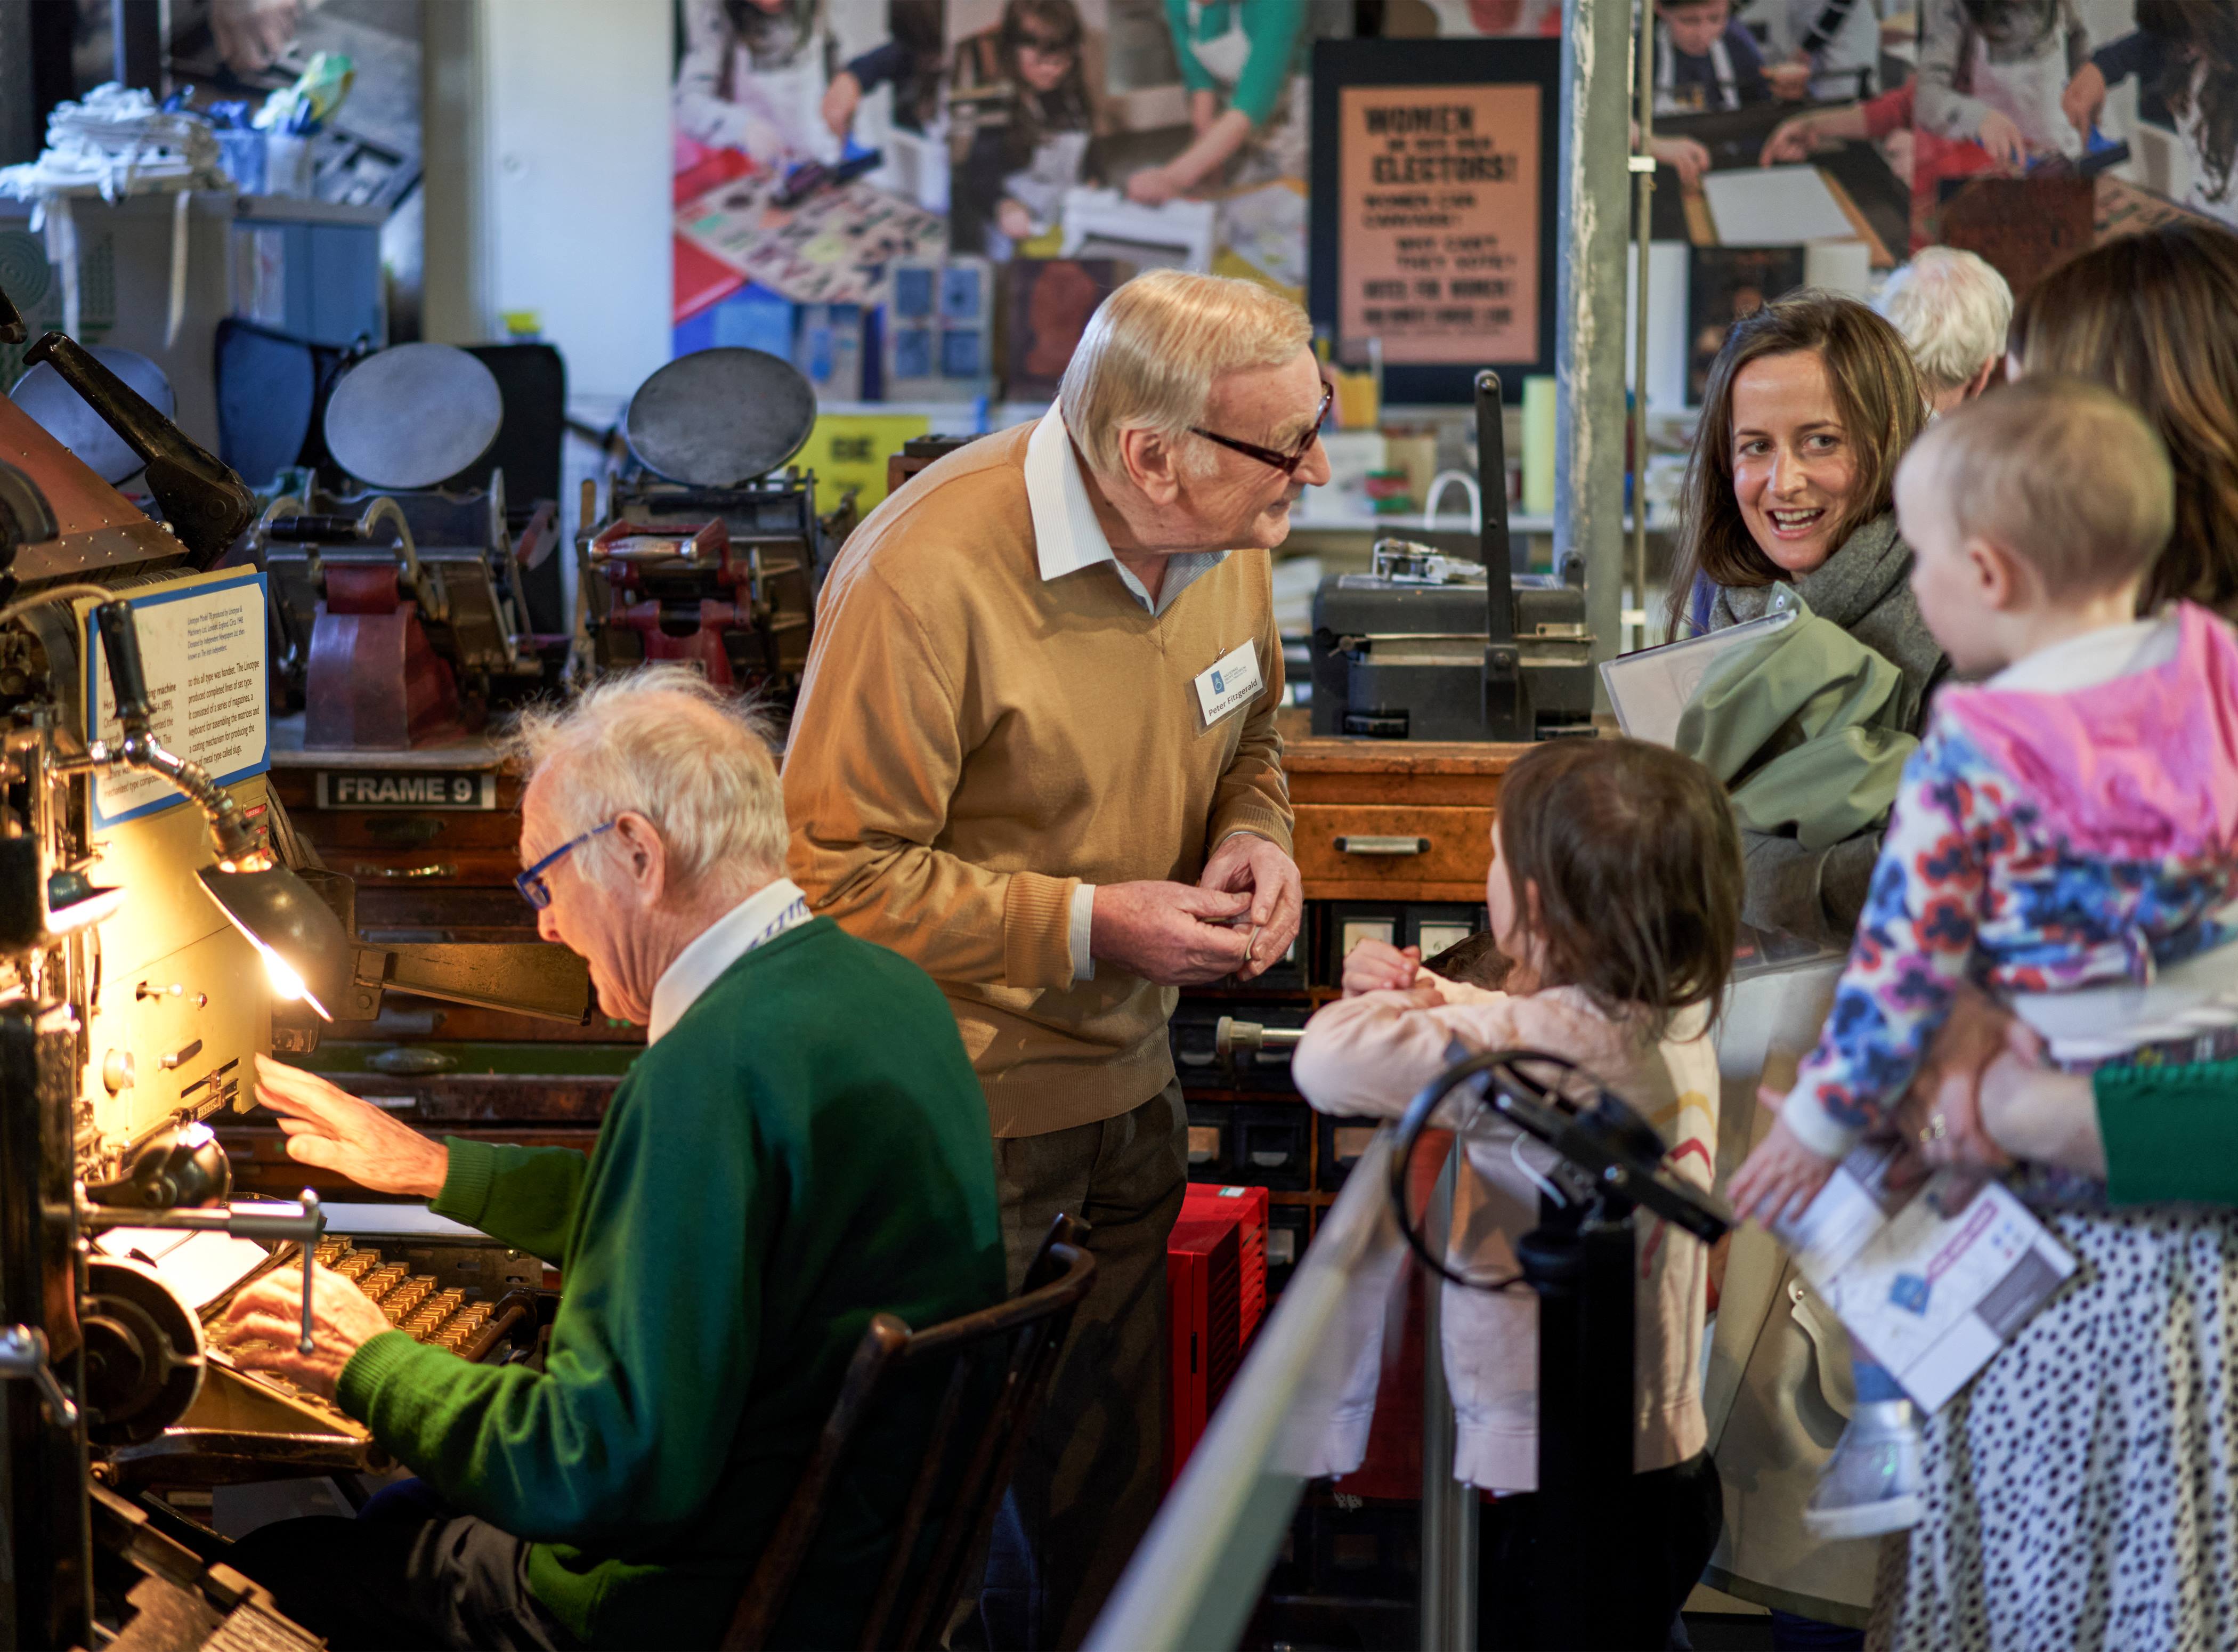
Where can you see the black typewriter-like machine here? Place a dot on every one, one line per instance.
(1430, 647)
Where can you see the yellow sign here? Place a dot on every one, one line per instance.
(850, 450)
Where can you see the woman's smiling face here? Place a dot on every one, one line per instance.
(1794, 468)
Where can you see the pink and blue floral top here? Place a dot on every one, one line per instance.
(2043, 839)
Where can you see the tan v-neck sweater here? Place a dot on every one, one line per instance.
(972, 741)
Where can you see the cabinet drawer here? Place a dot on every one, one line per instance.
(1361, 850)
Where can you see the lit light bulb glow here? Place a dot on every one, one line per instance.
(285, 981)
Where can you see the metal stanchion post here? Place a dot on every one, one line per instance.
(1449, 1509)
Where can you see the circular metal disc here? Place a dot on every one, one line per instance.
(719, 416)
(411, 415)
(63, 415)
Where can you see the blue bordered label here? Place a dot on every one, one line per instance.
(203, 649)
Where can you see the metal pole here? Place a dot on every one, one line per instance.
(1643, 229)
(1589, 353)
(1449, 1509)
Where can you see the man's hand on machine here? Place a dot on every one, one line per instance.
(1245, 863)
(335, 1131)
(264, 1325)
(1170, 933)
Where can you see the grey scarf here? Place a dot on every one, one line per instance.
(1864, 588)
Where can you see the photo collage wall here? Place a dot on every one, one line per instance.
(924, 200)
(1825, 140)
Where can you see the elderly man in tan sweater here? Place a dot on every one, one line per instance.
(1035, 753)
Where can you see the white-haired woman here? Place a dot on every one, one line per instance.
(1953, 309)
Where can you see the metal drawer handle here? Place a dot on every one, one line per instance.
(1382, 845)
(434, 869)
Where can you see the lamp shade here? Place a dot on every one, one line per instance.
(301, 940)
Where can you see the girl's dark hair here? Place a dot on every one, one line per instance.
(1637, 864)
(779, 33)
(916, 26)
(2202, 70)
(1877, 396)
(1034, 115)
(2155, 318)
(2016, 23)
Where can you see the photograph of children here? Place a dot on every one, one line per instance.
(2183, 55)
(908, 126)
(1027, 105)
(753, 78)
(1706, 59)
(1243, 63)
(1995, 73)
(811, 156)
(1837, 41)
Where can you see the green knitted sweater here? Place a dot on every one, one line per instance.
(807, 1146)
(2170, 1132)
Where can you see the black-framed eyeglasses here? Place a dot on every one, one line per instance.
(533, 889)
(1287, 463)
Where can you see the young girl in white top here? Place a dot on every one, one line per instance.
(1615, 888)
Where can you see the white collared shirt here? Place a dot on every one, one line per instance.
(1067, 536)
(1069, 540)
(762, 916)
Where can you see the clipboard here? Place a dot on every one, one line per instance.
(1650, 690)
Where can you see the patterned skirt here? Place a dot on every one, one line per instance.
(2083, 1492)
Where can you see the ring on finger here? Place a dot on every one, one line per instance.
(1936, 1129)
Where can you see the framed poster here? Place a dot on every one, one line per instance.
(1433, 208)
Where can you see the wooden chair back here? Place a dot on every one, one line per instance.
(971, 1454)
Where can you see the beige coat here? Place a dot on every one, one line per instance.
(1368, 1057)
(1778, 1389)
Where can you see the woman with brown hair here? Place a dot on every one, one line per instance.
(1810, 404)
(2155, 317)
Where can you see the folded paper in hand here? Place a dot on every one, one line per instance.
(1933, 1282)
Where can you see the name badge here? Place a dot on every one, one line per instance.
(1232, 681)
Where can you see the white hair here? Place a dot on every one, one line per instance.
(1151, 352)
(1953, 309)
(663, 742)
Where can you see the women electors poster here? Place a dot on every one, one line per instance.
(1433, 232)
(1439, 220)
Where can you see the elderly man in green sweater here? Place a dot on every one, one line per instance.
(803, 1144)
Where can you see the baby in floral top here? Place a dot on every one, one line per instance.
(2066, 837)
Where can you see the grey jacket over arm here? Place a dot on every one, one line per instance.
(1864, 588)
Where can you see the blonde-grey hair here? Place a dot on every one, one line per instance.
(663, 742)
(1952, 308)
(1152, 351)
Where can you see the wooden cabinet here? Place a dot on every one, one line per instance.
(1395, 819)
